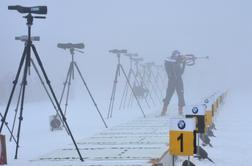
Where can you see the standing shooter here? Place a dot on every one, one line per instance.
(175, 66)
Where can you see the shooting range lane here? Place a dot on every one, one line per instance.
(140, 142)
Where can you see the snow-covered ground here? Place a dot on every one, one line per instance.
(153, 29)
(231, 146)
(37, 139)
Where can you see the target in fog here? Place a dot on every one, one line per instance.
(25, 63)
(70, 75)
(55, 123)
(120, 68)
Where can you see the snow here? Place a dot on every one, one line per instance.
(152, 29)
(231, 145)
(37, 139)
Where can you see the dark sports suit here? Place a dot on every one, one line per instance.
(174, 69)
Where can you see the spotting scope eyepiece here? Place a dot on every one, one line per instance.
(131, 55)
(25, 38)
(71, 46)
(34, 9)
(116, 51)
(137, 59)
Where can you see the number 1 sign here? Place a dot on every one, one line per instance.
(182, 138)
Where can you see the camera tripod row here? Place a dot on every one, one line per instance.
(27, 62)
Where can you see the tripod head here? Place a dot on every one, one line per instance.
(24, 38)
(137, 60)
(30, 10)
(72, 47)
(130, 55)
(118, 52)
(34, 9)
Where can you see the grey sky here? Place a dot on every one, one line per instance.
(152, 28)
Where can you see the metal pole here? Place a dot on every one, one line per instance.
(188, 161)
(173, 160)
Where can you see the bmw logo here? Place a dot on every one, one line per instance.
(195, 110)
(181, 124)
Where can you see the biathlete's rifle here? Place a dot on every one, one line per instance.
(190, 59)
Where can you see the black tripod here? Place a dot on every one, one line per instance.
(25, 40)
(70, 77)
(25, 63)
(118, 68)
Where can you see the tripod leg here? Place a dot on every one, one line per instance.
(155, 80)
(65, 83)
(145, 80)
(132, 90)
(68, 86)
(84, 82)
(130, 102)
(13, 89)
(138, 82)
(47, 92)
(159, 79)
(8, 128)
(144, 85)
(56, 101)
(125, 90)
(112, 98)
(154, 89)
(16, 111)
(23, 87)
(126, 95)
(130, 95)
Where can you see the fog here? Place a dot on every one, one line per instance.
(221, 30)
